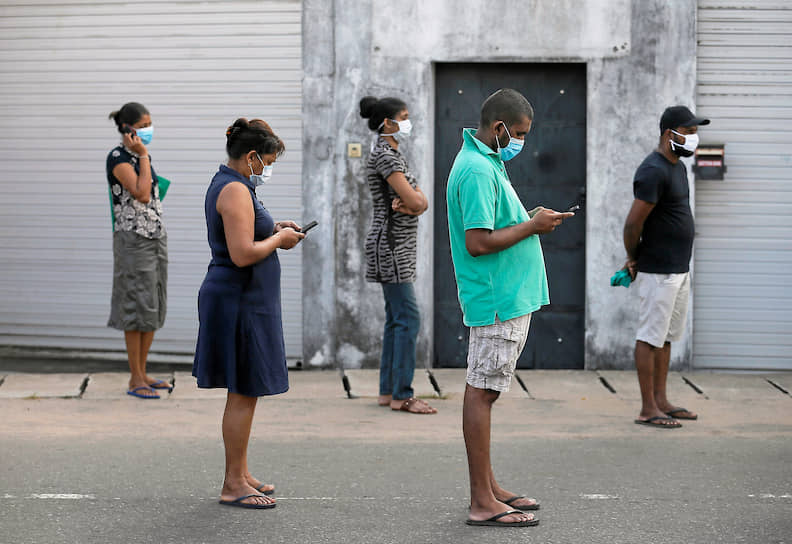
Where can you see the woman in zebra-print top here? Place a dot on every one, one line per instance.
(390, 249)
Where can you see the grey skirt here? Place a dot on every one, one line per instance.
(140, 280)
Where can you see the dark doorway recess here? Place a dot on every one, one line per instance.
(550, 171)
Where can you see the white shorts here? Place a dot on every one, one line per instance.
(493, 351)
(664, 304)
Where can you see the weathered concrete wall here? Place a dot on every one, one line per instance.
(640, 58)
(625, 99)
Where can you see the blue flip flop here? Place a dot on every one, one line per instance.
(134, 392)
(267, 492)
(161, 384)
(238, 502)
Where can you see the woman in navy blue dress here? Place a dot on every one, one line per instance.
(240, 338)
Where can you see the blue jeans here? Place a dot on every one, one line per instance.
(402, 320)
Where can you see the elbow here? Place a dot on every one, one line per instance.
(240, 260)
(474, 250)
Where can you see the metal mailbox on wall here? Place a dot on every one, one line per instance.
(709, 163)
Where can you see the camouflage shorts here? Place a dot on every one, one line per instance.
(493, 352)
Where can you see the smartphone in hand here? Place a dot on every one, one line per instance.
(308, 227)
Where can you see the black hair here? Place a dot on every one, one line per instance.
(376, 111)
(129, 114)
(505, 105)
(244, 136)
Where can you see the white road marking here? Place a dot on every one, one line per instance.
(598, 496)
(771, 496)
(70, 496)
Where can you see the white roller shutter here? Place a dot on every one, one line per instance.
(743, 255)
(196, 66)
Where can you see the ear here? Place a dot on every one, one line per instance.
(250, 156)
(498, 127)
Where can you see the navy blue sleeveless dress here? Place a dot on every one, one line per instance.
(240, 337)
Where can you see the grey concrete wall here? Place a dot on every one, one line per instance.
(640, 57)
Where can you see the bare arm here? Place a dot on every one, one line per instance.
(138, 185)
(412, 200)
(483, 241)
(236, 209)
(633, 227)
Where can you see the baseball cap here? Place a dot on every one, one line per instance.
(680, 116)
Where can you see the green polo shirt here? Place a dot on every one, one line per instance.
(506, 284)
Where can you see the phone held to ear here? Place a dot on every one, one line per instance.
(126, 129)
(308, 227)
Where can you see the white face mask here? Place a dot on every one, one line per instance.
(405, 127)
(264, 177)
(686, 149)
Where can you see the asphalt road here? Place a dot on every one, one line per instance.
(99, 471)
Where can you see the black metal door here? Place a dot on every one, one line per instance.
(550, 171)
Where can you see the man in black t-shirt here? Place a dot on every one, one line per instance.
(658, 237)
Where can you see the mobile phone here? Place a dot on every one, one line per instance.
(308, 227)
(126, 129)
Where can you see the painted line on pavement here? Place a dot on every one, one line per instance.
(598, 496)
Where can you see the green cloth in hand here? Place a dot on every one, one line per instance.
(622, 277)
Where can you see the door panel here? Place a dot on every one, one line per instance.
(550, 171)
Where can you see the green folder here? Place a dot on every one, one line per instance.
(163, 183)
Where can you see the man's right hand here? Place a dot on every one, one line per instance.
(546, 220)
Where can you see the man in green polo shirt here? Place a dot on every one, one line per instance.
(501, 280)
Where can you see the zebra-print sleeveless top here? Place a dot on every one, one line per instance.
(390, 243)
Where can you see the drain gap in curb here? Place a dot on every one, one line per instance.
(693, 386)
(777, 386)
(84, 386)
(607, 385)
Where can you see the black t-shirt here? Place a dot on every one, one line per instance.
(667, 238)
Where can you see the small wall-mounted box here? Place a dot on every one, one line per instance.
(354, 150)
(710, 163)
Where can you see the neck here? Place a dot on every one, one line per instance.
(391, 141)
(487, 138)
(240, 166)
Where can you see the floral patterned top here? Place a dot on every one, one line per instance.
(131, 214)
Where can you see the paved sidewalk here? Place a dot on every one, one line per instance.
(81, 461)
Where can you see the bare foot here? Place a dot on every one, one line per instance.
(384, 400)
(266, 489)
(141, 388)
(412, 405)
(232, 492)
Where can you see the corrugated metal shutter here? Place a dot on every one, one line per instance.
(196, 66)
(743, 259)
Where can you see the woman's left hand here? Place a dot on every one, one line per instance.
(286, 224)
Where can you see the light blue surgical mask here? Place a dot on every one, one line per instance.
(145, 134)
(264, 177)
(512, 149)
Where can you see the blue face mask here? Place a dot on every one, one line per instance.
(512, 149)
(145, 134)
(264, 177)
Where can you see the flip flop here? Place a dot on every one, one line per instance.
(678, 411)
(651, 422)
(134, 392)
(161, 384)
(238, 502)
(267, 492)
(493, 521)
(523, 508)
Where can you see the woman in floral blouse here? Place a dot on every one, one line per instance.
(140, 246)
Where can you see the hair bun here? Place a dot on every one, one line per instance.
(238, 125)
(367, 104)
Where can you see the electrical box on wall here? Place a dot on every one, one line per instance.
(710, 163)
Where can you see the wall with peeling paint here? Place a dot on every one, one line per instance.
(640, 57)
